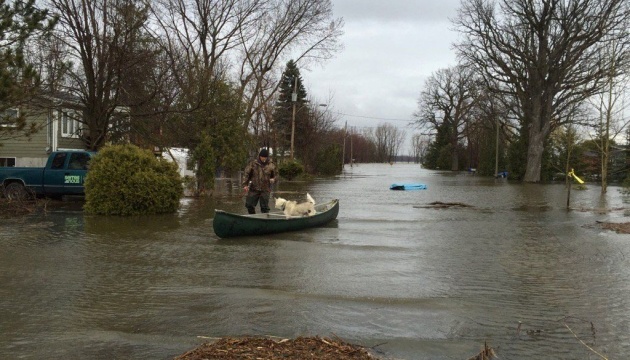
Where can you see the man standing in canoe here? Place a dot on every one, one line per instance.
(258, 177)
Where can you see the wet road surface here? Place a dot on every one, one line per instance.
(414, 282)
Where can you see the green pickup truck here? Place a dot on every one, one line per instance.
(63, 175)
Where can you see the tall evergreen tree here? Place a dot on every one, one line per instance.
(214, 133)
(283, 113)
(438, 150)
(19, 22)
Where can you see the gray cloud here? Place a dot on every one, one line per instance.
(395, 10)
(391, 47)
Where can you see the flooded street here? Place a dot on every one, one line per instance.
(390, 273)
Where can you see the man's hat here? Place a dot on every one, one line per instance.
(264, 153)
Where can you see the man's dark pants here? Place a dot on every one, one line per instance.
(252, 199)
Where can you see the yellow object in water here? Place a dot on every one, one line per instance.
(575, 177)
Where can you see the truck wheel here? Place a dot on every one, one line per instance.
(16, 191)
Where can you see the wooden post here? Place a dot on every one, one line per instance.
(568, 192)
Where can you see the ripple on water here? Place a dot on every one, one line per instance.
(421, 282)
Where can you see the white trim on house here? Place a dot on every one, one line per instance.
(70, 126)
(53, 130)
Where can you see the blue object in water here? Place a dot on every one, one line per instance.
(408, 187)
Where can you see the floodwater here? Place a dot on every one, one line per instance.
(409, 281)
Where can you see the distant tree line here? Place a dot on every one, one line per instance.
(541, 87)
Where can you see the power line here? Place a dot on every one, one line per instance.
(374, 118)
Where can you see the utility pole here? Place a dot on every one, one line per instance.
(351, 133)
(294, 99)
(496, 156)
(343, 152)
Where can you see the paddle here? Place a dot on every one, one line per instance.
(272, 188)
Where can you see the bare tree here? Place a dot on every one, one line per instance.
(50, 57)
(448, 100)
(247, 39)
(387, 141)
(364, 149)
(201, 35)
(100, 36)
(610, 107)
(547, 53)
(262, 120)
(318, 124)
(419, 145)
(303, 30)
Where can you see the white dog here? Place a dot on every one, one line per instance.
(292, 208)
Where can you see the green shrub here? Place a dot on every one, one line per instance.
(290, 169)
(126, 180)
(329, 160)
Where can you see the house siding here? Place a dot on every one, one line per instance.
(70, 143)
(33, 151)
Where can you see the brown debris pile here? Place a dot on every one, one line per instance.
(14, 208)
(598, 210)
(254, 348)
(620, 228)
(487, 353)
(442, 205)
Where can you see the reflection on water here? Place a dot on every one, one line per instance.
(422, 283)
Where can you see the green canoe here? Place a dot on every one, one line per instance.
(229, 225)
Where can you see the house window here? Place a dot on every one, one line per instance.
(7, 162)
(8, 117)
(70, 126)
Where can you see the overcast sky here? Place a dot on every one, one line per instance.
(390, 48)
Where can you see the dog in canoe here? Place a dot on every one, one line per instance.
(292, 208)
